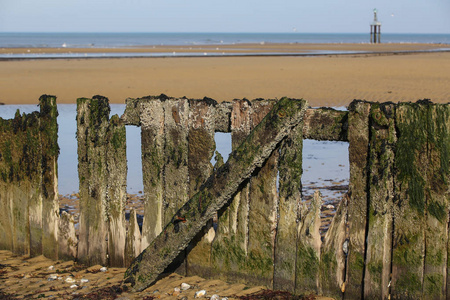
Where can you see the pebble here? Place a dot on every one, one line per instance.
(176, 291)
(69, 280)
(185, 286)
(73, 286)
(103, 269)
(52, 277)
(200, 294)
(51, 268)
(84, 280)
(214, 297)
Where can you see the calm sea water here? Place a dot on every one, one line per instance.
(103, 40)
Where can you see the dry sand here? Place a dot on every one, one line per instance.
(388, 74)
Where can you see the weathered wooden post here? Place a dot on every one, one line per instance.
(421, 202)
(20, 185)
(263, 206)
(28, 185)
(213, 195)
(49, 150)
(381, 196)
(358, 137)
(202, 125)
(102, 173)
(290, 197)
(232, 231)
(308, 247)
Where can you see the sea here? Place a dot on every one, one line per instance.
(124, 40)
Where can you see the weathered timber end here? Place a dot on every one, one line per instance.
(388, 237)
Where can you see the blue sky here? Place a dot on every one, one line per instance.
(312, 16)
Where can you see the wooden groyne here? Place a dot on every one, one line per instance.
(388, 238)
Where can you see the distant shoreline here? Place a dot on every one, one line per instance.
(226, 50)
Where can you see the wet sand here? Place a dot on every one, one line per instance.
(391, 72)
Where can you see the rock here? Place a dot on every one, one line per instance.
(69, 279)
(200, 294)
(51, 268)
(176, 291)
(83, 280)
(214, 297)
(185, 286)
(74, 286)
(52, 277)
(103, 269)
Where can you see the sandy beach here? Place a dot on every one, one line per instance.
(390, 72)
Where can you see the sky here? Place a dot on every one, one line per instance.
(309, 16)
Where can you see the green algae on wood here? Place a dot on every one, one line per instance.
(263, 209)
(358, 137)
(50, 151)
(308, 248)
(102, 171)
(381, 195)
(437, 196)
(409, 202)
(232, 231)
(28, 155)
(200, 151)
(290, 187)
(326, 124)
(214, 194)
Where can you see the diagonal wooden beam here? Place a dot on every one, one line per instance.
(215, 192)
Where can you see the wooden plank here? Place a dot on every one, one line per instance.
(290, 197)
(133, 239)
(102, 172)
(230, 246)
(333, 255)
(263, 209)
(308, 248)
(49, 151)
(92, 115)
(176, 179)
(381, 197)
(358, 137)
(437, 201)
(201, 150)
(215, 193)
(116, 196)
(152, 145)
(325, 124)
(409, 203)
